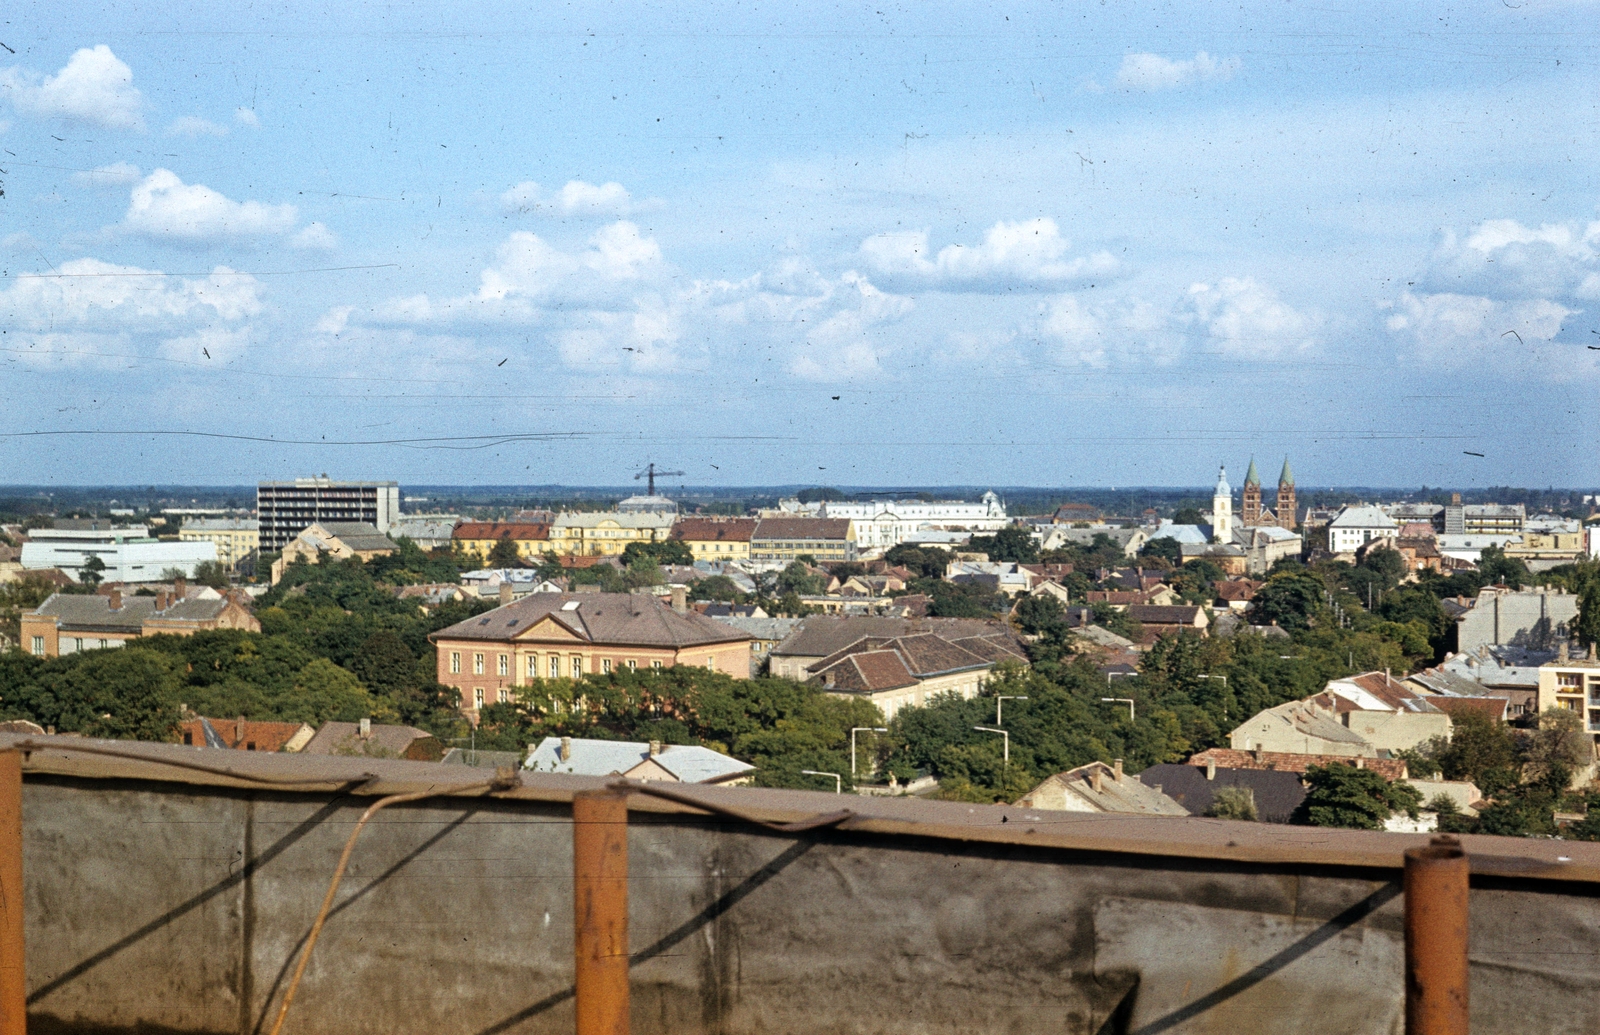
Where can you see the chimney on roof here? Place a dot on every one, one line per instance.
(1455, 499)
(1116, 767)
(505, 593)
(364, 727)
(238, 730)
(655, 748)
(1097, 780)
(1211, 769)
(1361, 763)
(565, 751)
(180, 588)
(115, 601)
(161, 600)
(680, 599)
(1256, 753)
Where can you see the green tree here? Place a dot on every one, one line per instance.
(1289, 599)
(1386, 565)
(1588, 624)
(1233, 803)
(1166, 548)
(1012, 543)
(384, 663)
(323, 691)
(798, 579)
(1340, 795)
(1496, 568)
(1477, 746)
(715, 587)
(1041, 615)
(93, 571)
(929, 562)
(127, 694)
(504, 553)
(1187, 516)
(213, 574)
(667, 551)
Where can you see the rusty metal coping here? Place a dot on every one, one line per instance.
(1148, 836)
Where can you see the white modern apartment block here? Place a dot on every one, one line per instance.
(285, 509)
(1358, 525)
(880, 524)
(129, 554)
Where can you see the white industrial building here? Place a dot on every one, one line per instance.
(129, 554)
(880, 524)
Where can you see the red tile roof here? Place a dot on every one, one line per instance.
(732, 530)
(1490, 707)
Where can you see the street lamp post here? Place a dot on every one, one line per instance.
(999, 702)
(1121, 700)
(861, 729)
(838, 781)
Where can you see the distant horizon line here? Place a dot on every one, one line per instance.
(788, 488)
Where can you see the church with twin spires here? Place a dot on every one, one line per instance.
(1251, 513)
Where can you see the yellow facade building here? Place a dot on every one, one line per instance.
(605, 533)
(235, 538)
(716, 539)
(477, 539)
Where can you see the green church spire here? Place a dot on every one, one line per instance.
(1287, 477)
(1250, 476)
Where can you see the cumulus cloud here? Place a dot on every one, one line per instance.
(117, 174)
(163, 207)
(577, 198)
(94, 305)
(1027, 255)
(246, 117)
(1120, 332)
(315, 238)
(1506, 289)
(852, 340)
(192, 126)
(94, 87)
(1244, 319)
(1152, 72)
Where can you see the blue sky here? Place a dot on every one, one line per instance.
(919, 244)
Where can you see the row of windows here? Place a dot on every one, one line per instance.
(503, 663)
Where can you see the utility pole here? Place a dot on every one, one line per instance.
(999, 701)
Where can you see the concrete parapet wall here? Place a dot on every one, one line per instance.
(176, 903)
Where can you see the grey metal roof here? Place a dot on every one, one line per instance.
(762, 628)
(1277, 792)
(357, 535)
(690, 763)
(822, 635)
(77, 612)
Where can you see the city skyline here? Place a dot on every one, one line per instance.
(798, 245)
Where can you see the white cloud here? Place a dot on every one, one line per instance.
(1026, 255)
(94, 87)
(1458, 329)
(1151, 72)
(117, 174)
(315, 238)
(577, 198)
(163, 207)
(246, 117)
(1244, 319)
(851, 341)
(91, 305)
(192, 126)
(1112, 332)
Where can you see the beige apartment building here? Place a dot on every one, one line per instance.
(235, 538)
(1574, 683)
(606, 533)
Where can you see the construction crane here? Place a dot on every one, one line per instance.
(651, 473)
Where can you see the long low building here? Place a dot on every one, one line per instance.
(128, 554)
(571, 635)
(69, 623)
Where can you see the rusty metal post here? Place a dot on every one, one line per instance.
(13, 972)
(600, 910)
(1436, 938)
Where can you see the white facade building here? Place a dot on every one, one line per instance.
(1356, 526)
(129, 554)
(880, 524)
